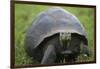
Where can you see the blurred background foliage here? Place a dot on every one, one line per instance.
(25, 14)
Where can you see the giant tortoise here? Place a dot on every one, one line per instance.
(56, 36)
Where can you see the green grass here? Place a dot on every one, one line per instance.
(24, 15)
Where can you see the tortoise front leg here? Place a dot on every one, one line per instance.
(49, 55)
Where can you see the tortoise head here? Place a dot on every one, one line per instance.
(72, 44)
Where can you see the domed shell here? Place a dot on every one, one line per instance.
(50, 22)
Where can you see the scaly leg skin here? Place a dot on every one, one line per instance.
(49, 55)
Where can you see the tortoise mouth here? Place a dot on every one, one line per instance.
(66, 52)
(68, 56)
